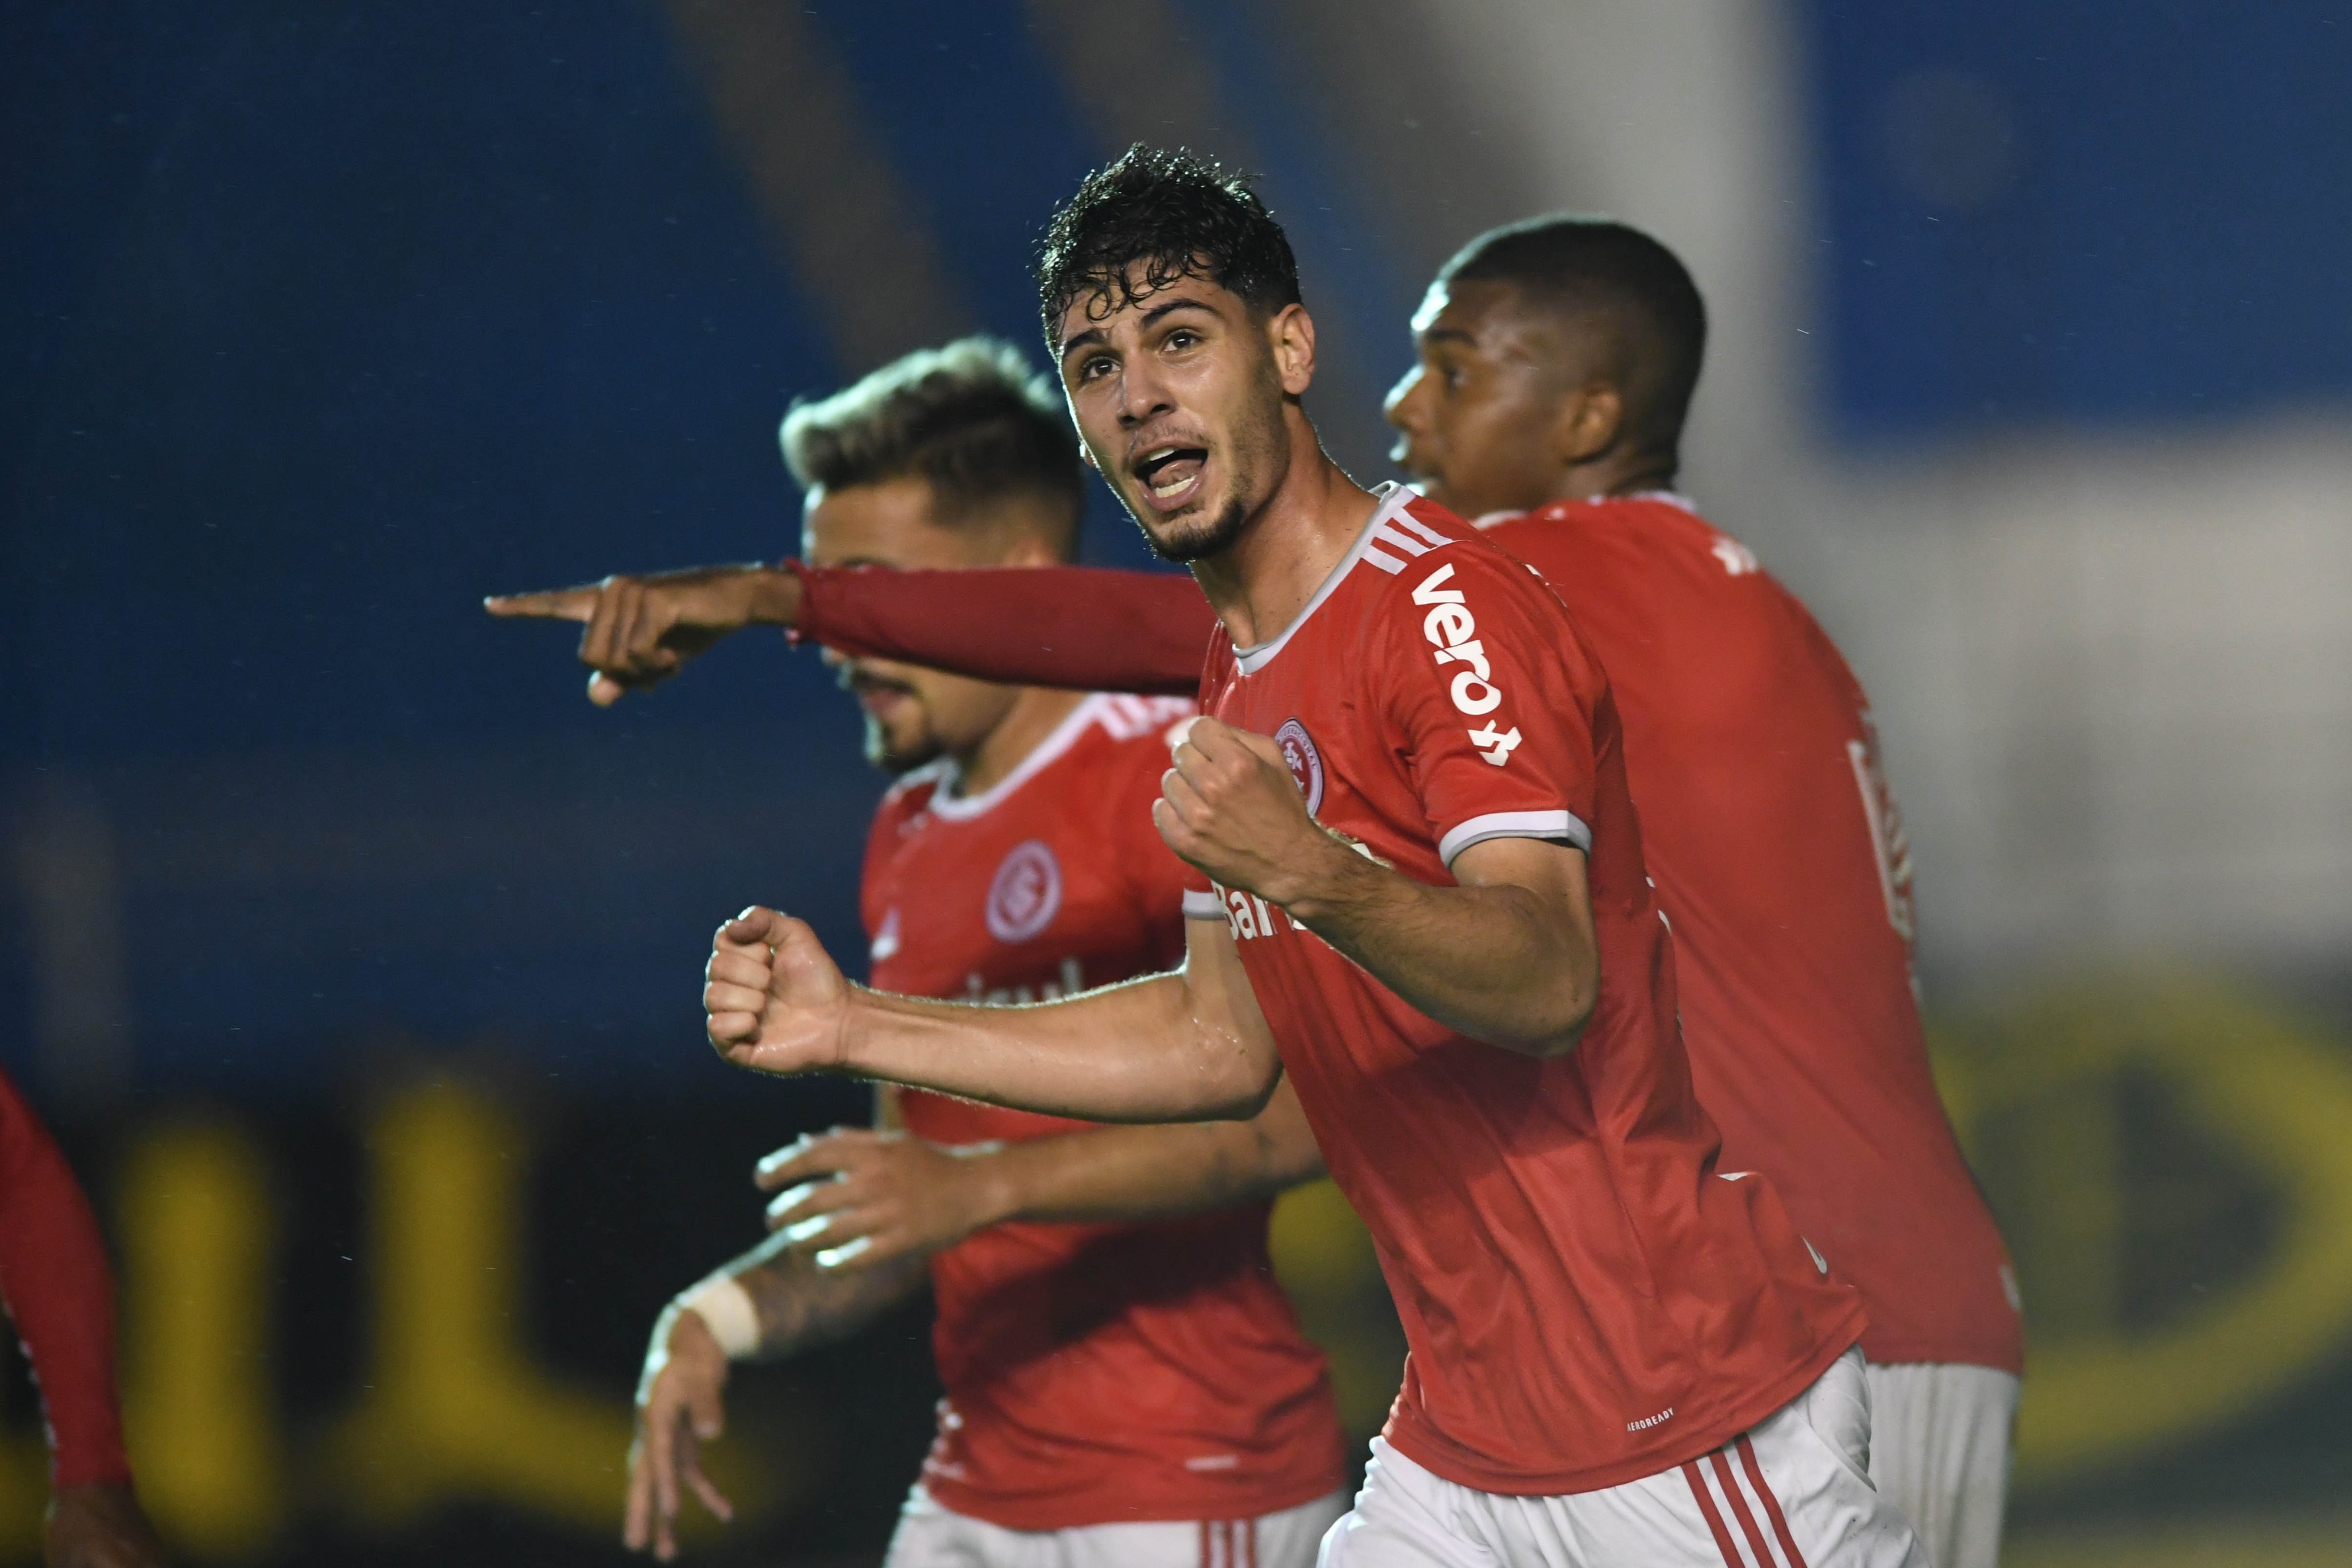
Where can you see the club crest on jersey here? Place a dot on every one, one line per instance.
(1305, 762)
(1027, 892)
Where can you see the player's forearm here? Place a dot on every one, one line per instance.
(1147, 1050)
(1132, 1174)
(1484, 961)
(1080, 627)
(800, 1306)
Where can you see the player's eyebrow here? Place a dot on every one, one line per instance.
(1449, 335)
(1094, 335)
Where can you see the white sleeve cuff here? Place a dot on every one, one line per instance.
(725, 1308)
(1563, 827)
(1201, 903)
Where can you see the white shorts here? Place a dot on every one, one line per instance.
(930, 1536)
(1939, 1442)
(1794, 1492)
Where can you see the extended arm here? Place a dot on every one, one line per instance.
(1188, 1046)
(1080, 627)
(859, 1199)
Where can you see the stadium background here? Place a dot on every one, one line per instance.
(353, 953)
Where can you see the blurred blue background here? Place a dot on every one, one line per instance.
(323, 320)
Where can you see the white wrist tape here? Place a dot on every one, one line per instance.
(725, 1308)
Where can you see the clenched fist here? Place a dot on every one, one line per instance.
(776, 1000)
(1229, 807)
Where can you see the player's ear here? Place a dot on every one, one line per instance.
(1589, 421)
(1290, 333)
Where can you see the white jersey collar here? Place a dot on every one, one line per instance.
(1394, 498)
(957, 808)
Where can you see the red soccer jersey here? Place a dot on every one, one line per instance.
(1094, 1373)
(1587, 1302)
(1767, 825)
(1778, 855)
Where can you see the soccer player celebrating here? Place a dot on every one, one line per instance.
(1408, 803)
(1557, 360)
(1115, 1394)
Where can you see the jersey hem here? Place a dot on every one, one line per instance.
(1121, 1507)
(1895, 1350)
(1742, 1416)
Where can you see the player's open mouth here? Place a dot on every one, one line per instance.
(1170, 473)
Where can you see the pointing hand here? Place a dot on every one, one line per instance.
(639, 630)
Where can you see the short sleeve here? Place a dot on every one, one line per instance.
(1199, 900)
(1491, 698)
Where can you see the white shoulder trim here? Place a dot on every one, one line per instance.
(1564, 827)
(1201, 903)
(956, 808)
(1390, 536)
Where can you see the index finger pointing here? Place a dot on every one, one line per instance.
(551, 604)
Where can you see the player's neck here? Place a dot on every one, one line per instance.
(1612, 475)
(1037, 712)
(1260, 585)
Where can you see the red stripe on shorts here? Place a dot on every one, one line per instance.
(1748, 1525)
(1772, 1504)
(1714, 1518)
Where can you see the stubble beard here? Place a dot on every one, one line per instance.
(1191, 541)
(1195, 539)
(898, 758)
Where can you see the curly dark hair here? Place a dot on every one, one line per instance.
(971, 417)
(1179, 213)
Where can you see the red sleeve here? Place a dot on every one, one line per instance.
(1081, 627)
(1493, 698)
(53, 1276)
